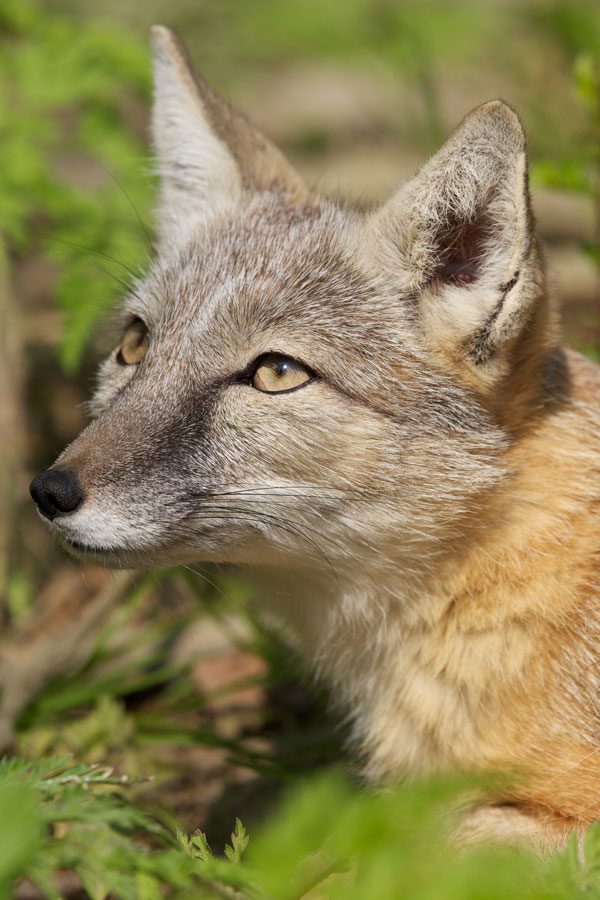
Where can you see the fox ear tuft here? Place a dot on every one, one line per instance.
(460, 237)
(207, 155)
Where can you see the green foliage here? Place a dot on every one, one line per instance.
(575, 30)
(334, 841)
(67, 92)
(89, 827)
(88, 711)
(20, 830)
(328, 841)
(239, 843)
(579, 173)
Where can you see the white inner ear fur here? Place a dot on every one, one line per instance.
(199, 176)
(455, 312)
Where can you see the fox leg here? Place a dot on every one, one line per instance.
(508, 823)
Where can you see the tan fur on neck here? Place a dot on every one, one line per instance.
(495, 665)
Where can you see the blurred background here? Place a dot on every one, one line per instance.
(166, 674)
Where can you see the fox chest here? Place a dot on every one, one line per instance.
(437, 699)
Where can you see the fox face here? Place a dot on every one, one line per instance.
(298, 381)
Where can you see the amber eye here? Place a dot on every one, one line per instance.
(133, 344)
(276, 374)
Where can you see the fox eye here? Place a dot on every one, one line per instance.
(276, 374)
(134, 344)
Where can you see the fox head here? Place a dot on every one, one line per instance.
(298, 380)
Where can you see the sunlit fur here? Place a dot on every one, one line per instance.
(424, 515)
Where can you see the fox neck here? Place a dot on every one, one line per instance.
(468, 667)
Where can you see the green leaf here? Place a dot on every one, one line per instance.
(239, 842)
(200, 846)
(20, 830)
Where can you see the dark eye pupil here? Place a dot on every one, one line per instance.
(281, 367)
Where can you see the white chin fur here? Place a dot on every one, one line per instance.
(102, 528)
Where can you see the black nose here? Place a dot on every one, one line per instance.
(56, 491)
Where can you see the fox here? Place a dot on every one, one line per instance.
(369, 409)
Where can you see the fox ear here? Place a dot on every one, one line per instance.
(460, 238)
(207, 155)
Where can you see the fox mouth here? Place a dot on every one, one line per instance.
(113, 557)
(119, 557)
(89, 548)
(82, 548)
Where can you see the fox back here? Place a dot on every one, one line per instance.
(372, 409)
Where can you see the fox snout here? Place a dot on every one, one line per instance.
(57, 492)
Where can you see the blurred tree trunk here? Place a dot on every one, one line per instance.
(12, 428)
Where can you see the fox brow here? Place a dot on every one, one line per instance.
(262, 233)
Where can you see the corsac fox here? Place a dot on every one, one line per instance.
(372, 409)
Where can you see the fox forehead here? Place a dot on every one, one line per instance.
(270, 276)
